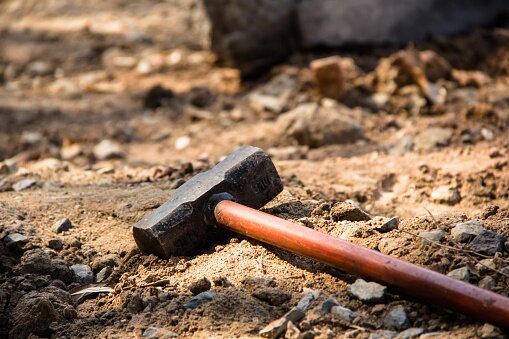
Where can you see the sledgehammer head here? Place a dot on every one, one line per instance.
(184, 225)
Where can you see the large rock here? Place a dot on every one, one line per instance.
(315, 126)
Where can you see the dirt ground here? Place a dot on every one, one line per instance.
(73, 74)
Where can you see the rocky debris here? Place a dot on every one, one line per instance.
(107, 149)
(158, 96)
(488, 283)
(33, 314)
(62, 225)
(199, 299)
(108, 260)
(462, 273)
(343, 313)
(348, 211)
(435, 235)
(23, 184)
(273, 96)
(369, 292)
(485, 265)
(103, 274)
(446, 195)
(315, 126)
(397, 319)
(328, 76)
(487, 242)
(156, 333)
(466, 231)
(278, 326)
(384, 225)
(37, 261)
(200, 286)
(15, 241)
(272, 295)
(410, 333)
(432, 138)
(83, 273)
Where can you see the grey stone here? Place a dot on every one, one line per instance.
(62, 225)
(462, 273)
(39, 67)
(435, 235)
(307, 299)
(274, 95)
(397, 319)
(327, 305)
(158, 333)
(412, 332)
(466, 231)
(370, 292)
(278, 326)
(15, 241)
(487, 283)
(83, 273)
(23, 184)
(383, 334)
(200, 286)
(343, 313)
(108, 149)
(388, 225)
(315, 126)
(488, 243)
(199, 299)
(103, 274)
(446, 195)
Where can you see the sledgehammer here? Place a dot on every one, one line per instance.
(228, 196)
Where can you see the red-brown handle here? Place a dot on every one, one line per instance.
(426, 285)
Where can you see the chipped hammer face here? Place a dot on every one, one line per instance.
(184, 225)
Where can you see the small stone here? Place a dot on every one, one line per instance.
(488, 243)
(490, 331)
(56, 244)
(485, 265)
(462, 273)
(307, 299)
(39, 68)
(446, 195)
(177, 183)
(292, 331)
(466, 231)
(435, 235)
(274, 95)
(158, 333)
(83, 273)
(328, 76)
(487, 134)
(158, 96)
(15, 241)
(489, 211)
(343, 313)
(370, 292)
(488, 283)
(278, 326)
(37, 261)
(71, 151)
(108, 260)
(410, 333)
(150, 331)
(103, 274)
(199, 299)
(272, 295)
(347, 211)
(383, 334)
(23, 184)
(388, 225)
(62, 225)
(200, 286)
(433, 138)
(397, 319)
(107, 149)
(182, 142)
(327, 305)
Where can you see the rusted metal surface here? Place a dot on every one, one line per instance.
(424, 284)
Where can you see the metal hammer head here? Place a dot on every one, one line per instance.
(184, 224)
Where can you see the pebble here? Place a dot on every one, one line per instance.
(62, 225)
(343, 313)
(435, 235)
(412, 332)
(200, 286)
(39, 68)
(446, 195)
(328, 76)
(108, 260)
(107, 149)
(488, 243)
(370, 292)
(182, 142)
(23, 184)
(397, 319)
(69, 152)
(327, 305)
(103, 274)
(158, 333)
(307, 298)
(466, 231)
(83, 273)
(347, 211)
(15, 241)
(383, 334)
(274, 95)
(199, 299)
(388, 225)
(485, 264)
(462, 273)
(278, 326)
(488, 283)
(272, 295)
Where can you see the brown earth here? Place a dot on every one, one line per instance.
(74, 74)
